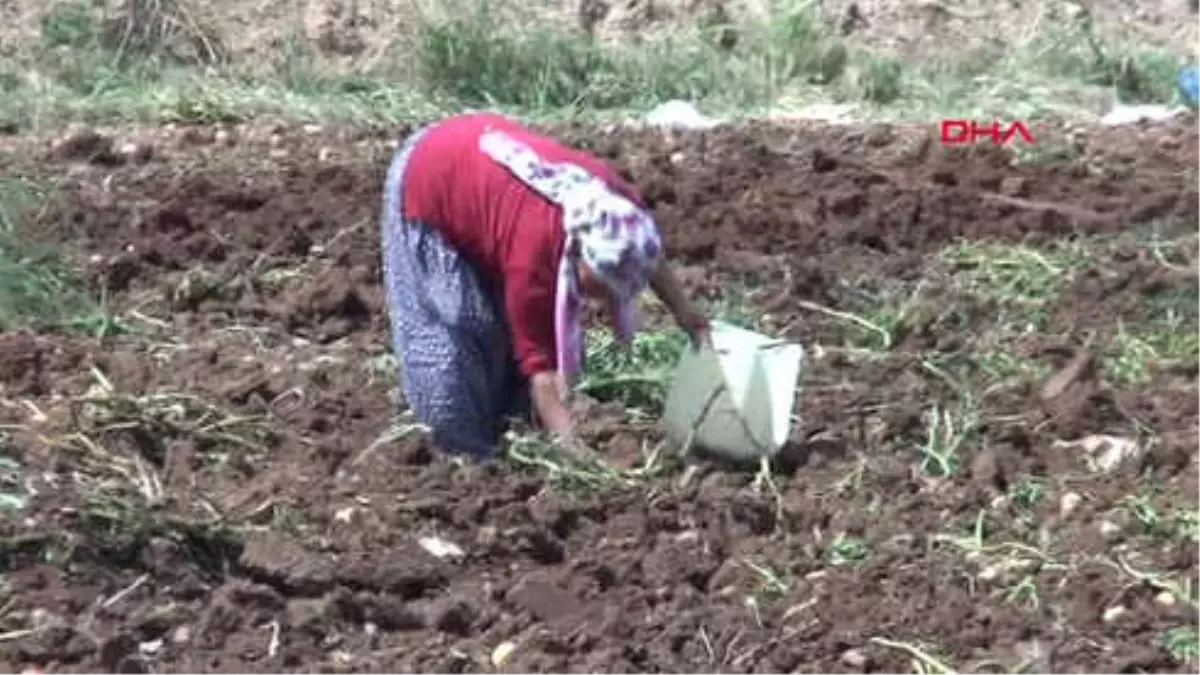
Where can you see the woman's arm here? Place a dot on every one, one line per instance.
(666, 286)
(529, 308)
(547, 399)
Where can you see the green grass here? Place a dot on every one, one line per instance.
(1179, 524)
(637, 374)
(467, 60)
(1134, 355)
(1183, 643)
(38, 289)
(1021, 283)
(1168, 336)
(1015, 289)
(14, 495)
(88, 70)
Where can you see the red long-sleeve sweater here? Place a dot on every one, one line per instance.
(512, 234)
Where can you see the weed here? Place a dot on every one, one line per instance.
(846, 550)
(1028, 492)
(154, 418)
(104, 415)
(794, 45)
(949, 428)
(1012, 566)
(1181, 524)
(400, 428)
(852, 482)
(1133, 357)
(923, 662)
(737, 308)
(69, 24)
(1000, 365)
(1183, 591)
(14, 497)
(1167, 337)
(883, 319)
(637, 375)
(466, 58)
(879, 79)
(576, 472)
(1182, 642)
(772, 585)
(1024, 592)
(117, 443)
(146, 29)
(37, 290)
(154, 59)
(1019, 280)
(1175, 309)
(1057, 68)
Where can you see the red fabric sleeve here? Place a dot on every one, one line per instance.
(530, 281)
(529, 302)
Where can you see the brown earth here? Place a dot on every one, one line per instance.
(254, 271)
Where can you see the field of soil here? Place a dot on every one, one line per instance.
(205, 485)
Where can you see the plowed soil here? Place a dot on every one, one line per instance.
(206, 493)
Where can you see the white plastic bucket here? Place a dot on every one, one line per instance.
(736, 398)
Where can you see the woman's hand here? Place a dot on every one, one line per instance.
(545, 389)
(670, 291)
(555, 416)
(697, 326)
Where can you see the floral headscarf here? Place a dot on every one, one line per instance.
(618, 240)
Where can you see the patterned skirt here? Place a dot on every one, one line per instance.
(448, 331)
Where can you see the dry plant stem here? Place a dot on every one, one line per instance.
(921, 656)
(389, 436)
(125, 592)
(845, 316)
(273, 644)
(18, 634)
(153, 23)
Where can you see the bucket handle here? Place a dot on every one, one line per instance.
(775, 344)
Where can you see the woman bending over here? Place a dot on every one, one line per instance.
(492, 236)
